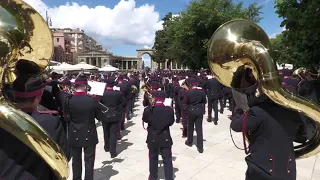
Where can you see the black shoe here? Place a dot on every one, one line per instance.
(221, 111)
(200, 150)
(215, 122)
(114, 155)
(177, 121)
(188, 144)
(106, 149)
(209, 119)
(184, 136)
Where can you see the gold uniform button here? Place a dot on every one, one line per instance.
(289, 171)
(74, 131)
(270, 170)
(270, 159)
(77, 139)
(88, 131)
(86, 139)
(290, 160)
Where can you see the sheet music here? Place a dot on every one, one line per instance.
(97, 88)
(167, 102)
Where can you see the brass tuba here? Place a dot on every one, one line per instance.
(147, 90)
(300, 72)
(25, 35)
(240, 45)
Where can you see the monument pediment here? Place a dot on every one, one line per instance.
(90, 52)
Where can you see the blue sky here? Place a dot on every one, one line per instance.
(270, 23)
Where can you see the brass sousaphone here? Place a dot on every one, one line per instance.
(25, 35)
(242, 45)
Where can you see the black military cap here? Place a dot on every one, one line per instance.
(159, 95)
(66, 81)
(24, 67)
(192, 81)
(110, 82)
(28, 86)
(81, 80)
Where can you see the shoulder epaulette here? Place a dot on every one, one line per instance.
(49, 112)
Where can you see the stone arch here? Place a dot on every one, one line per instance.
(141, 52)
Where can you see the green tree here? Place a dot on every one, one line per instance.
(187, 35)
(302, 37)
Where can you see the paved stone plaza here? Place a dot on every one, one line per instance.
(221, 159)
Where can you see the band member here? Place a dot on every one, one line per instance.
(61, 98)
(125, 91)
(195, 100)
(115, 104)
(159, 118)
(177, 108)
(184, 112)
(82, 111)
(27, 92)
(310, 87)
(267, 161)
(214, 92)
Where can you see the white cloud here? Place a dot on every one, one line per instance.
(275, 34)
(147, 47)
(124, 22)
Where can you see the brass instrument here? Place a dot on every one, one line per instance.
(134, 89)
(242, 45)
(25, 35)
(300, 72)
(147, 90)
(185, 85)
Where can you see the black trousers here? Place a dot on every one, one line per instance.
(184, 117)
(167, 162)
(195, 121)
(177, 108)
(89, 156)
(128, 108)
(213, 103)
(111, 132)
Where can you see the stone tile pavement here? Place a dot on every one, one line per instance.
(220, 160)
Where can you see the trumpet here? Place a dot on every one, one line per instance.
(134, 89)
(147, 90)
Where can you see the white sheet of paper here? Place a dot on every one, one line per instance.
(97, 88)
(116, 88)
(209, 77)
(167, 102)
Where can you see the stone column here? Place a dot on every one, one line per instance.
(90, 60)
(171, 65)
(126, 65)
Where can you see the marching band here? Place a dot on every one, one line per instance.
(51, 119)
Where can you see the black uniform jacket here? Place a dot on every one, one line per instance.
(83, 110)
(310, 90)
(272, 130)
(48, 101)
(159, 119)
(195, 101)
(24, 156)
(291, 84)
(125, 90)
(116, 103)
(214, 88)
(181, 99)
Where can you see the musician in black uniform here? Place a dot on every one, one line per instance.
(82, 112)
(214, 91)
(27, 92)
(184, 112)
(61, 98)
(115, 104)
(159, 118)
(125, 91)
(310, 87)
(195, 100)
(271, 129)
(177, 108)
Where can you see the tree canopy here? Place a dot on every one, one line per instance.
(299, 44)
(185, 36)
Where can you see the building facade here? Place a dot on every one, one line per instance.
(72, 41)
(100, 58)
